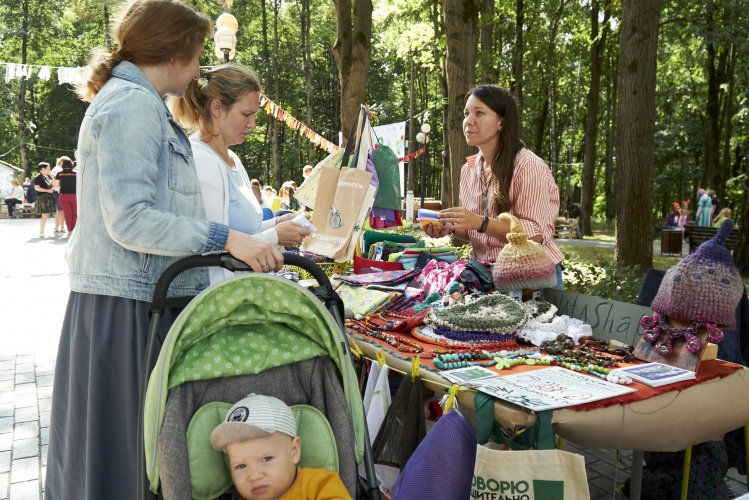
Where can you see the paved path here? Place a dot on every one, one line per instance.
(33, 294)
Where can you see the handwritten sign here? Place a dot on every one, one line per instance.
(549, 388)
(609, 319)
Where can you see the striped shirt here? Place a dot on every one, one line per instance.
(535, 202)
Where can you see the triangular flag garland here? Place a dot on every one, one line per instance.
(321, 142)
(280, 114)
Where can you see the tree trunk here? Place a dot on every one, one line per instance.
(411, 129)
(548, 73)
(461, 26)
(517, 63)
(716, 77)
(22, 95)
(741, 254)
(351, 51)
(440, 63)
(597, 48)
(307, 55)
(636, 133)
(277, 177)
(725, 167)
(609, 191)
(487, 35)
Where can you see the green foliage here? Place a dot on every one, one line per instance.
(601, 278)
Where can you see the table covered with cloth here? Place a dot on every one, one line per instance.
(666, 418)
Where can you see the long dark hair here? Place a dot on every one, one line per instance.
(508, 143)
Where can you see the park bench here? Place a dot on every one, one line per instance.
(25, 210)
(697, 235)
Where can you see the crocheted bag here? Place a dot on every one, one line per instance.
(522, 263)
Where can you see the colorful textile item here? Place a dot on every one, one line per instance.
(493, 313)
(705, 286)
(539, 310)
(442, 465)
(522, 264)
(437, 275)
(426, 334)
(362, 301)
(381, 278)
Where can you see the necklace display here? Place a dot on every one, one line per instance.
(657, 324)
(370, 330)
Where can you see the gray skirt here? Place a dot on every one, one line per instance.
(95, 398)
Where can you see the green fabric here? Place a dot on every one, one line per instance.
(210, 475)
(233, 316)
(388, 173)
(371, 236)
(391, 245)
(539, 436)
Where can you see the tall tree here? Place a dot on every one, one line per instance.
(352, 51)
(486, 59)
(277, 177)
(461, 29)
(517, 62)
(741, 255)
(597, 49)
(22, 91)
(307, 56)
(548, 74)
(636, 133)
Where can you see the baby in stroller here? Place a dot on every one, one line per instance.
(260, 438)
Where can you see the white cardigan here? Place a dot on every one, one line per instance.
(214, 185)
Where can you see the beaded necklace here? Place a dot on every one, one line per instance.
(657, 324)
(370, 330)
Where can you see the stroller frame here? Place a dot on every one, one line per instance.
(160, 302)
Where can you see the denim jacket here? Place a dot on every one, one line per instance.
(140, 206)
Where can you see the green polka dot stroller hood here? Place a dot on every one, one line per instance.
(242, 327)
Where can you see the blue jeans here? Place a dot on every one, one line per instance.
(560, 281)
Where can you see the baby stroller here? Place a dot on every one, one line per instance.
(253, 333)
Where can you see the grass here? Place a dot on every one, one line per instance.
(597, 254)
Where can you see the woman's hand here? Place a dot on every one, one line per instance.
(432, 231)
(288, 217)
(290, 234)
(460, 218)
(260, 256)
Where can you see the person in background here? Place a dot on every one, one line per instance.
(503, 177)
(267, 212)
(715, 201)
(704, 208)
(267, 193)
(59, 215)
(306, 172)
(135, 219)
(221, 112)
(256, 183)
(15, 198)
(684, 214)
(672, 221)
(722, 215)
(45, 201)
(66, 180)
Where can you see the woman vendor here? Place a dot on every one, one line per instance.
(503, 177)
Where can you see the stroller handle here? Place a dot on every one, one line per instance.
(226, 261)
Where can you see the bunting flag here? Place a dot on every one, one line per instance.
(280, 114)
(413, 155)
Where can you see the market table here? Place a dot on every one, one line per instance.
(664, 420)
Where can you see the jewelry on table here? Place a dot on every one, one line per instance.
(403, 345)
(656, 325)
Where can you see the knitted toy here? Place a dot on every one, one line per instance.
(522, 263)
(704, 289)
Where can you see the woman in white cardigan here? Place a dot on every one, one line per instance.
(220, 110)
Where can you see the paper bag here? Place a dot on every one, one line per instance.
(531, 475)
(341, 196)
(307, 192)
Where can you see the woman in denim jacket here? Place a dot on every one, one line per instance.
(140, 209)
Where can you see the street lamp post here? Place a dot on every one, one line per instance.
(225, 38)
(423, 138)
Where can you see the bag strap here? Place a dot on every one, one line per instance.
(353, 144)
(538, 436)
